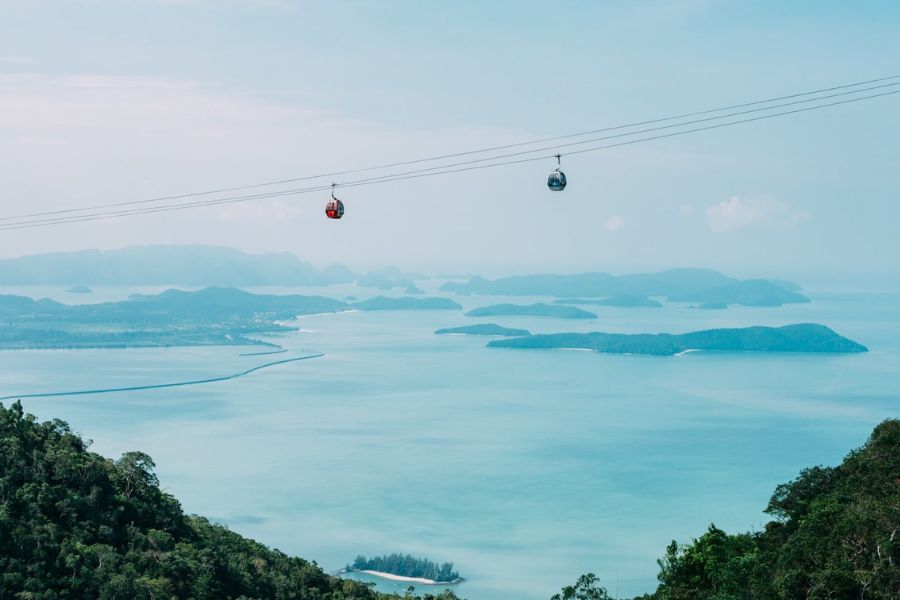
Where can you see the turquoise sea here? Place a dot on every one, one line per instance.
(524, 468)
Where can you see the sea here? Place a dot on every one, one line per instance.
(524, 468)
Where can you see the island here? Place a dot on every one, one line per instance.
(413, 289)
(751, 292)
(388, 278)
(531, 310)
(622, 301)
(804, 337)
(79, 289)
(402, 567)
(406, 303)
(484, 329)
(211, 316)
(711, 306)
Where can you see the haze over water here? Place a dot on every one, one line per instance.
(524, 468)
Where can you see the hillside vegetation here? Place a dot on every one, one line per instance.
(74, 524)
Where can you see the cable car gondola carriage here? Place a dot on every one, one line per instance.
(334, 208)
(557, 179)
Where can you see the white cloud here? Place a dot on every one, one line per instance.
(615, 223)
(743, 212)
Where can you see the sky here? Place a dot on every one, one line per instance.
(116, 100)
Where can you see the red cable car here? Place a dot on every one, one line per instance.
(334, 208)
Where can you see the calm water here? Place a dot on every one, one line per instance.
(525, 468)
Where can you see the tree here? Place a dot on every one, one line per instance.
(586, 588)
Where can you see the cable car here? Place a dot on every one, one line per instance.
(334, 208)
(557, 179)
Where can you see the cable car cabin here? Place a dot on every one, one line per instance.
(556, 181)
(334, 209)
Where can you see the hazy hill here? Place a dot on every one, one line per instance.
(623, 301)
(674, 283)
(389, 277)
(163, 264)
(750, 292)
(560, 311)
(805, 337)
(406, 303)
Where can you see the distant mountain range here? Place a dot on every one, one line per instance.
(204, 266)
(163, 265)
(624, 301)
(559, 311)
(680, 285)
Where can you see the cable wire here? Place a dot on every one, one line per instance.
(477, 151)
(413, 175)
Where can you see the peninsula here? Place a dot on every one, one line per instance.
(804, 337)
(212, 316)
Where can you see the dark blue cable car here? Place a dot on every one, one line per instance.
(557, 179)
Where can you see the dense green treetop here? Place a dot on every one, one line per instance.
(835, 535)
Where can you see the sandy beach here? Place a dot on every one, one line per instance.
(393, 577)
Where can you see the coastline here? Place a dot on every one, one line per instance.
(392, 577)
(161, 385)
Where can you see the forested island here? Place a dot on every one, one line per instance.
(560, 311)
(804, 337)
(211, 316)
(407, 567)
(622, 301)
(484, 329)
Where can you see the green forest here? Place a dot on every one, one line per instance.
(74, 524)
(834, 535)
(407, 566)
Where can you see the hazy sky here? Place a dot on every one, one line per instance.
(113, 100)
